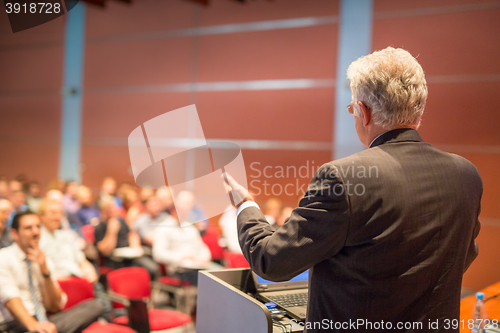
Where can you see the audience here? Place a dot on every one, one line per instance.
(4, 189)
(34, 198)
(87, 214)
(15, 185)
(112, 233)
(146, 223)
(145, 194)
(18, 200)
(71, 224)
(284, 215)
(179, 244)
(229, 230)
(58, 245)
(70, 201)
(132, 205)
(272, 210)
(5, 211)
(165, 195)
(29, 289)
(188, 211)
(150, 221)
(57, 184)
(108, 190)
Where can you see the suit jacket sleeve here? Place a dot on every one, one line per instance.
(473, 250)
(315, 231)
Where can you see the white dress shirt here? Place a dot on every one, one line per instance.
(14, 281)
(62, 251)
(246, 204)
(172, 243)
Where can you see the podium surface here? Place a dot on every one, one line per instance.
(225, 307)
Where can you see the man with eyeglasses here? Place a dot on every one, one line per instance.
(390, 253)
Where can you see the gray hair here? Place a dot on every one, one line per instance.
(392, 84)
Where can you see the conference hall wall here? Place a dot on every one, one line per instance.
(268, 72)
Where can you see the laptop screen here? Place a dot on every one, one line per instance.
(304, 276)
(299, 281)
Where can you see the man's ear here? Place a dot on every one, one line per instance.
(367, 114)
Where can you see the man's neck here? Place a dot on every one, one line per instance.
(378, 131)
(50, 231)
(22, 248)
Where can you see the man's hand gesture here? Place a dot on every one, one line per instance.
(238, 192)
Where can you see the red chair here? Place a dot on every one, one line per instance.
(211, 238)
(88, 233)
(235, 260)
(183, 293)
(79, 290)
(134, 284)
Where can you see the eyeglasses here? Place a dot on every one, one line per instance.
(350, 109)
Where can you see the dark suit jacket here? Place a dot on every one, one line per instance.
(387, 233)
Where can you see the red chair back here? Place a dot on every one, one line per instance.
(77, 290)
(211, 238)
(130, 282)
(88, 233)
(235, 260)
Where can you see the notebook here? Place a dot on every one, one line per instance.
(289, 295)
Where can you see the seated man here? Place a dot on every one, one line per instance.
(112, 233)
(180, 247)
(18, 200)
(87, 214)
(146, 223)
(57, 245)
(5, 210)
(73, 227)
(28, 288)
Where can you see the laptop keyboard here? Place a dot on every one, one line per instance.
(289, 300)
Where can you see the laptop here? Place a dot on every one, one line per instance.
(289, 295)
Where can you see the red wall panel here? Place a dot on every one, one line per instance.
(278, 54)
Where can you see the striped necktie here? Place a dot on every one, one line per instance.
(39, 310)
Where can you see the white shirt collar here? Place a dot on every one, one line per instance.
(18, 253)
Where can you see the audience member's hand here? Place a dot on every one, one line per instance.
(36, 255)
(113, 226)
(238, 192)
(42, 327)
(94, 221)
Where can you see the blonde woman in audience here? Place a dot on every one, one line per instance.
(132, 206)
